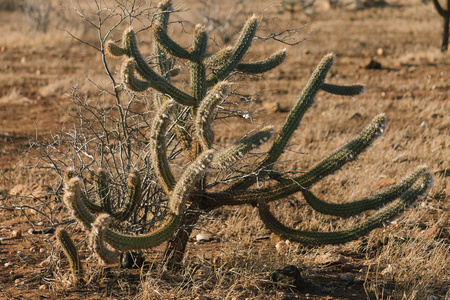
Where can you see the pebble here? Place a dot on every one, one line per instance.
(203, 237)
(33, 249)
(42, 287)
(15, 234)
(330, 258)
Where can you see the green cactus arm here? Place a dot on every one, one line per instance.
(169, 45)
(130, 80)
(238, 150)
(73, 199)
(407, 198)
(196, 66)
(102, 191)
(133, 197)
(126, 242)
(156, 81)
(343, 90)
(353, 208)
(113, 50)
(265, 65)
(292, 122)
(239, 50)
(199, 43)
(71, 252)
(219, 58)
(188, 181)
(163, 66)
(158, 150)
(325, 167)
(205, 112)
(440, 9)
(97, 234)
(91, 206)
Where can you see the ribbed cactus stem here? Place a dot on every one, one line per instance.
(133, 197)
(292, 122)
(196, 66)
(126, 242)
(205, 113)
(73, 200)
(224, 158)
(356, 207)
(325, 167)
(102, 190)
(170, 46)
(344, 90)
(265, 65)
(188, 181)
(129, 79)
(416, 190)
(163, 65)
(91, 206)
(241, 47)
(113, 50)
(99, 227)
(158, 148)
(219, 58)
(154, 80)
(71, 252)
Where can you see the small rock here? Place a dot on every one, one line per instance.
(330, 259)
(42, 287)
(281, 246)
(41, 250)
(31, 231)
(203, 237)
(8, 264)
(15, 234)
(348, 277)
(380, 51)
(423, 124)
(34, 249)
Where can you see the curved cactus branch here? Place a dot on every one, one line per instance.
(133, 197)
(219, 58)
(99, 228)
(188, 181)
(242, 147)
(325, 167)
(71, 252)
(408, 197)
(204, 117)
(154, 80)
(305, 101)
(265, 65)
(129, 79)
(240, 48)
(343, 90)
(170, 46)
(355, 207)
(158, 150)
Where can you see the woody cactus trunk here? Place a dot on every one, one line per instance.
(188, 193)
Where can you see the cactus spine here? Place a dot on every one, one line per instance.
(188, 192)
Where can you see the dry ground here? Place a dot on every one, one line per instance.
(409, 258)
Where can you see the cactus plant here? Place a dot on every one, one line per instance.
(444, 12)
(188, 193)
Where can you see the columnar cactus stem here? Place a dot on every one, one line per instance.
(71, 253)
(158, 148)
(204, 117)
(99, 228)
